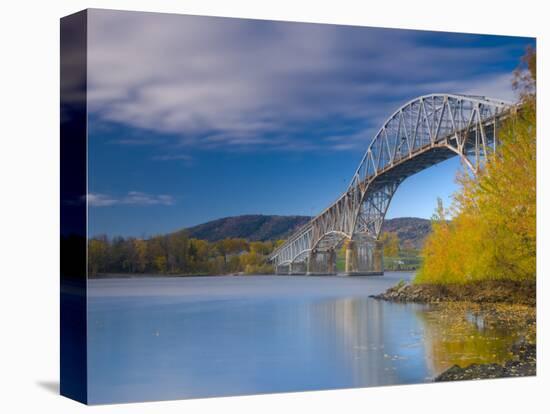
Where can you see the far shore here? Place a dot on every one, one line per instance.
(146, 275)
(178, 275)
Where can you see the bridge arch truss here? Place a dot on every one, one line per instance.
(421, 133)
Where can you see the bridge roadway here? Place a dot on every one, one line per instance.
(421, 133)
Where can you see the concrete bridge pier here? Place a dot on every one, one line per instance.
(297, 268)
(363, 258)
(283, 269)
(321, 263)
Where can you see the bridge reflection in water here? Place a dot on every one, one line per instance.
(168, 338)
(390, 343)
(423, 132)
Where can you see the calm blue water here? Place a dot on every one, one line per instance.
(170, 338)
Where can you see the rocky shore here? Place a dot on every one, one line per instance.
(522, 364)
(504, 304)
(490, 291)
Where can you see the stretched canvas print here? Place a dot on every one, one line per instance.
(253, 206)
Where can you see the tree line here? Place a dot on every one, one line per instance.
(176, 253)
(492, 231)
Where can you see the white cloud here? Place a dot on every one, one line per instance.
(131, 198)
(214, 82)
(101, 200)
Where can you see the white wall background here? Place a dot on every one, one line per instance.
(29, 176)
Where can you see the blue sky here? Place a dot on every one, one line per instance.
(196, 118)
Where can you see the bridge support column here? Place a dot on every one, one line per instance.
(332, 262)
(351, 257)
(282, 269)
(321, 263)
(297, 268)
(363, 258)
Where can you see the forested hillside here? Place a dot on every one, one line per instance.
(251, 227)
(227, 245)
(412, 231)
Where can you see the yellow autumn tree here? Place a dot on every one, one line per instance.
(492, 229)
(97, 255)
(390, 241)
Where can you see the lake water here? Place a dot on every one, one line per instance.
(169, 338)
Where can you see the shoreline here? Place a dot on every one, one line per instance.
(155, 275)
(489, 291)
(522, 363)
(105, 276)
(502, 302)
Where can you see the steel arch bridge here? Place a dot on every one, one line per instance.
(423, 132)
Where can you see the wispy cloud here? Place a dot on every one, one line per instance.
(136, 198)
(134, 141)
(232, 83)
(101, 200)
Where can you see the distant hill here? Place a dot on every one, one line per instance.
(411, 231)
(251, 227)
